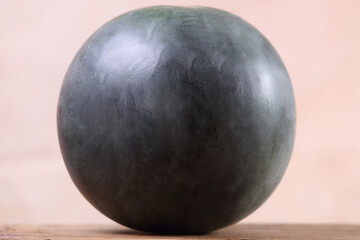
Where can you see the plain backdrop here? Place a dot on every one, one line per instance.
(319, 41)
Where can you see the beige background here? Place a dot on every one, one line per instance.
(319, 42)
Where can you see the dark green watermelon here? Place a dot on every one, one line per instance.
(176, 120)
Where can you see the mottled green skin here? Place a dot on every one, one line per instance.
(176, 120)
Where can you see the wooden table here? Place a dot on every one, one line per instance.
(239, 231)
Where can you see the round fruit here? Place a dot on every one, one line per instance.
(176, 120)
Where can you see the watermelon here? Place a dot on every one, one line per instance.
(176, 120)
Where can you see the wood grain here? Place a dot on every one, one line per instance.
(239, 231)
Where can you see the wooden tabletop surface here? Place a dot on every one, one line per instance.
(239, 231)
